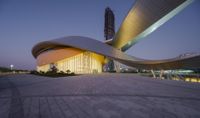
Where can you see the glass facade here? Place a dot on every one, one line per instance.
(109, 25)
(83, 63)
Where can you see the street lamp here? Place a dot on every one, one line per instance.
(11, 67)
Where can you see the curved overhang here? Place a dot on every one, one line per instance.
(83, 43)
(144, 17)
(92, 45)
(52, 56)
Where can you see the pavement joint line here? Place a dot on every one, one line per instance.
(104, 95)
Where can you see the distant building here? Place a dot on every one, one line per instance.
(109, 26)
(109, 32)
(186, 55)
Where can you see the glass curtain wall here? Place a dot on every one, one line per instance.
(83, 63)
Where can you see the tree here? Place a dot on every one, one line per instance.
(68, 71)
(54, 69)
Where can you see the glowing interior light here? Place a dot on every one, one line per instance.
(83, 63)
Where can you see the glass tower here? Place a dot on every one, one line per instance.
(109, 32)
(109, 26)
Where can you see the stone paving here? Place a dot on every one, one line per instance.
(97, 96)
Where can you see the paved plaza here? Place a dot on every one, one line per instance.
(97, 96)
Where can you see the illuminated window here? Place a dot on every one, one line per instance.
(83, 63)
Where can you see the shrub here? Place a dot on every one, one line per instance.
(34, 72)
(61, 72)
(72, 73)
(41, 72)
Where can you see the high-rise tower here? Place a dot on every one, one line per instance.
(109, 26)
(109, 32)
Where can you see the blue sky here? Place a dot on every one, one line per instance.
(23, 23)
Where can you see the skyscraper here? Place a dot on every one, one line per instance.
(109, 32)
(109, 26)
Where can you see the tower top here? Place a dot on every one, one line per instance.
(109, 24)
(108, 8)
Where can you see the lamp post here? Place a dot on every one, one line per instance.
(11, 67)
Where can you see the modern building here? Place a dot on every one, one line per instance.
(69, 59)
(85, 55)
(109, 24)
(109, 32)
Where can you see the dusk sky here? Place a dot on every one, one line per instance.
(24, 23)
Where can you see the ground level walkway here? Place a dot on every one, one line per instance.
(97, 96)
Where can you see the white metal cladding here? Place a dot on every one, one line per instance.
(101, 48)
(143, 18)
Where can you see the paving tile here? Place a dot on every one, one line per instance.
(44, 109)
(97, 96)
(34, 108)
(4, 108)
(54, 108)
